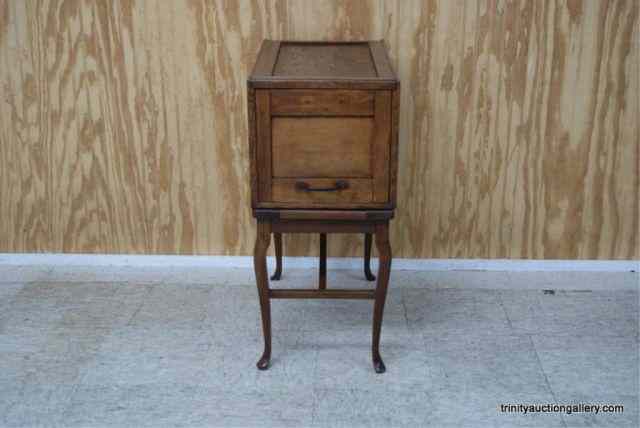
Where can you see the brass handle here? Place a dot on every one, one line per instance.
(306, 187)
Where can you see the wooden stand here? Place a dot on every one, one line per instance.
(323, 151)
(323, 222)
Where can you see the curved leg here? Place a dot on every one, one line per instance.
(260, 265)
(322, 280)
(277, 242)
(367, 258)
(384, 253)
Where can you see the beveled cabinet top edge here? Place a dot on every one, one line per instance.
(266, 60)
(263, 76)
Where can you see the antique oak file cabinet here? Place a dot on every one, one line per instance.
(323, 136)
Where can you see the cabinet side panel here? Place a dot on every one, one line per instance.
(395, 125)
(381, 146)
(263, 144)
(251, 119)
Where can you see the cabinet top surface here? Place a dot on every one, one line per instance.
(323, 64)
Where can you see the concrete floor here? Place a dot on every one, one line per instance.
(177, 347)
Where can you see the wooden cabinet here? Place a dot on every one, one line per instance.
(323, 126)
(323, 136)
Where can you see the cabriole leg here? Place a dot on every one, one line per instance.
(384, 269)
(260, 265)
(367, 258)
(322, 277)
(277, 242)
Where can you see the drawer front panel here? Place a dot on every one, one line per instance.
(322, 146)
(305, 191)
(320, 149)
(319, 102)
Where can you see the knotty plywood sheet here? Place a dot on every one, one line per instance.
(519, 133)
(123, 124)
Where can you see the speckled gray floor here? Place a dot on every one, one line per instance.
(177, 347)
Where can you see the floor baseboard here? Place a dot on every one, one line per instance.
(512, 265)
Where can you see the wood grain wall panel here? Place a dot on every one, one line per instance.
(334, 20)
(24, 202)
(82, 139)
(502, 170)
(123, 124)
(6, 233)
(610, 169)
(227, 38)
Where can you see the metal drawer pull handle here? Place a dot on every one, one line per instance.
(339, 185)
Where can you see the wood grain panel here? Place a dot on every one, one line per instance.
(381, 146)
(24, 138)
(322, 146)
(504, 128)
(123, 124)
(264, 145)
(310, 102)
(324, 61)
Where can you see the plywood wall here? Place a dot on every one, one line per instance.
(123, 124)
